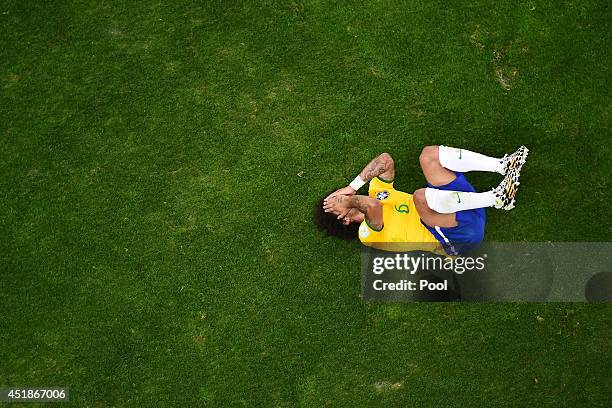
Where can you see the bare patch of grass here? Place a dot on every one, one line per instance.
(504, 74)
(384, 386)
(478, 37)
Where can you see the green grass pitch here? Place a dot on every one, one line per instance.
(158, 166)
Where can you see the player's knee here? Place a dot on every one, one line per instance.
(420, 201)
(428, 155)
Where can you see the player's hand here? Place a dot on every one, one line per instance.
(348, 190)
(337, 205)
(349, 217)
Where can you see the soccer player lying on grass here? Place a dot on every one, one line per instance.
(448, 215)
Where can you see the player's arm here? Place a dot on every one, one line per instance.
(369, 206)
(380, 166)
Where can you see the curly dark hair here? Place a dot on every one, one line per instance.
(331, 225)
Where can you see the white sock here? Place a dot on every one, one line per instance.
(462, 160)
(448, 202)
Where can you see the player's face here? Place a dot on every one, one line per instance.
(354, 216)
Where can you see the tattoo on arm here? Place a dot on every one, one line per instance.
(372, 211)
(359, 203)
(374, 168)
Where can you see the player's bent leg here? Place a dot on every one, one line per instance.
(462, 160)
(434, 172)
(449, 202)
(428, 215)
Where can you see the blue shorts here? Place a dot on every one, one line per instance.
(471, 223)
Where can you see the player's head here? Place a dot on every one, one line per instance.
(331, 225)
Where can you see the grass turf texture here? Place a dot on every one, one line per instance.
(159, 162)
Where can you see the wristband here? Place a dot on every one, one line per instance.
(357, 183)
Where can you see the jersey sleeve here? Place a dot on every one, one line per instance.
(369, 234)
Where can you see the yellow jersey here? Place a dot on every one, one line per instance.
(402, 228)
